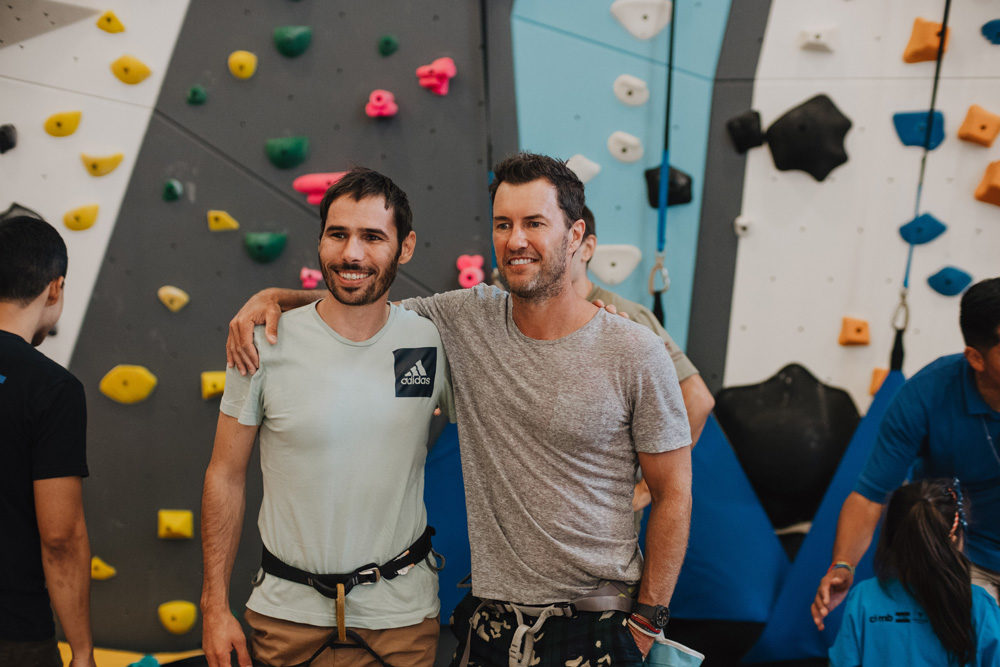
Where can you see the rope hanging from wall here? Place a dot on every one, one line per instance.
(659, 268)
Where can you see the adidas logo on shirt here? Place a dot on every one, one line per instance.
(415, 368)
(416, 375)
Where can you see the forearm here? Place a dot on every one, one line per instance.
(66, 564)
(666, 542)
(294, 298)
(855, 527)
(222, 509)
(698, 402)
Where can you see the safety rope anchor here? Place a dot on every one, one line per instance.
(659, 270)
(901, 316)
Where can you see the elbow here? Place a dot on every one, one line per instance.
(59, 544)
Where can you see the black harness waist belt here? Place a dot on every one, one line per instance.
(330, 584)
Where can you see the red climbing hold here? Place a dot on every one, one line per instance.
(381, 104)
(435, 77)
(316, 185)
(470, 270)
(310, 277)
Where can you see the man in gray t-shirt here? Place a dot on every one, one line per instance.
(557, 401)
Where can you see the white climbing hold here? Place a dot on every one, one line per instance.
(584, 168)
(614, 263)
(741, 225)
(823, 39)
(625, 147)
(644, 19)
(631, 90)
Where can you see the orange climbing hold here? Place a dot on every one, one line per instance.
(924, 41)
(854, 332)
(980, 126)
(878, 377)
(989, 188)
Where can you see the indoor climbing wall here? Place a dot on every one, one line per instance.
(601, 95)
(820, 262)
(223, 145)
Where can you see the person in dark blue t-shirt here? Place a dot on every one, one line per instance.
(922, 610)
(46, 554)
(946, 418)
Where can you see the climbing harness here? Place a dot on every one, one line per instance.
(660, 269)
(337, 586)
(901, 317)
(613, 596)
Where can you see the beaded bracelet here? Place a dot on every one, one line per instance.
(842, 564)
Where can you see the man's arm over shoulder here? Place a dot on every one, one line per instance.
(442, 308)
(264, 307)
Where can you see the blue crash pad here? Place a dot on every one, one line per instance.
(922, 229)
(728, 530)
(911, 127)
(949, 281)
(790, 633)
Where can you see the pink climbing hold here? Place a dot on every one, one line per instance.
(470, 270)
(316, 185)
(310, 277)
(381, 104)
(435, 77)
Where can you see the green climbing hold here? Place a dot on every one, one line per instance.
(265, 247)
(172, 190)
(388, 45)
(292, 40)
(287, 152)
(197, 95)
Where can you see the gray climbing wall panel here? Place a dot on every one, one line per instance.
(153, 454)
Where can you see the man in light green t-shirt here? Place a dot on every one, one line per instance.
(698, 400)
(342, 404)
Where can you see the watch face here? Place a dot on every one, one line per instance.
(661, 616)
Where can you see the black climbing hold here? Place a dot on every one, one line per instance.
(292, 40)
(911, 128)
(388, 45)
(991, 31)
(8, 137)
(745, 130)
(949, 281)
(172, 190)
(789, 433)
(810, 138)
(678, 189)
(197, 95)
(265, 247)
(287, 152)
(922, 229)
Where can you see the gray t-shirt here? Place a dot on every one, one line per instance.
(549, 431)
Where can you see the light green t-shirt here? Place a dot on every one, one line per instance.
(343, 440)
(642, 315)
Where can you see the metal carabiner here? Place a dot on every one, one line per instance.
(902, 312)
(659, 270)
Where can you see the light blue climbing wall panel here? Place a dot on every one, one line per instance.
(567, 55)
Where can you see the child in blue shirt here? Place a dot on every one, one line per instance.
(922, 609)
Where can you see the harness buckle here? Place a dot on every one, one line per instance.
(371, 570)
(323, 589)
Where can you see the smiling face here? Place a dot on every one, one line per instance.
(359, 252)
(532, 242)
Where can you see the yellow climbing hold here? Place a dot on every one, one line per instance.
(100, 570)
(242, 64)
(130, 70)
(220, 221)
(81, 218)
(213, 383)
(101, 165)
(174, 298)
(178, 616)
(108, 22)
(62, 124)
(175, 524)
(128, 384)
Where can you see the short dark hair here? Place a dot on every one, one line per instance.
(527, 167)
(360, 183)
(589, 224)
(32, 255)
(979, 316)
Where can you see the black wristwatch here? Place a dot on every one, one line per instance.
(657, 615)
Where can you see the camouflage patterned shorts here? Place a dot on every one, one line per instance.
(587, 639)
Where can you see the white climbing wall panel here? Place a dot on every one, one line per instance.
(816, 252)
(66, 68)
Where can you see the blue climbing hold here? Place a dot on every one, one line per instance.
(3, 378)
(146, 661)
(922, 229)
(911, 126)
(991, 31)
(949, 281)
